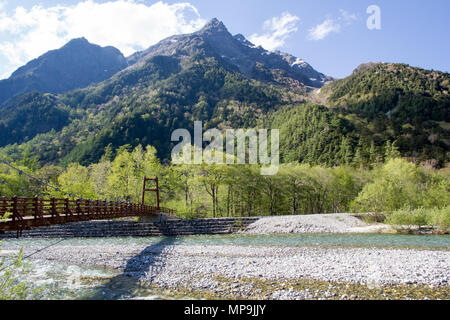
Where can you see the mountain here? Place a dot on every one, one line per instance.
(209, 75)
(227, 82)
(398, 91)
(215, 41)
(364, 66)
(75, 65)
(395, 102)
(145, 105)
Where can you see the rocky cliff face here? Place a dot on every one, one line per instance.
(76, 65)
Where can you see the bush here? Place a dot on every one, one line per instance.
(12, 287)
(416, 217)
(437, 195)
(439, 218)
(401, 185)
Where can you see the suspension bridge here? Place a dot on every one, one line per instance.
(23, 213)
(20, 213)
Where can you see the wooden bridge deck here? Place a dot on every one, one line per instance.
(27, 213)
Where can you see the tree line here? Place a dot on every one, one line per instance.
(211, 190)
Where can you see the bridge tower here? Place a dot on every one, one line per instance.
(154, 189)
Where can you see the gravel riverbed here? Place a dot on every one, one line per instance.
(259, 271)
(172, 265)
(318, 223)
(221, 268)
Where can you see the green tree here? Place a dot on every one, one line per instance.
(391, 151)
(398, 184)
(343, 189)
(74, 182)
(128, 171)
(212, 176)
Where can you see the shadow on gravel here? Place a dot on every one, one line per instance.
(144, 266)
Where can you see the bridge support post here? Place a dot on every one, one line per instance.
(15, 213)
(36, 210)
(156, 190)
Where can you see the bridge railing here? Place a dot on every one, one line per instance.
(25, 213)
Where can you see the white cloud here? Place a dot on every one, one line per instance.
(129, 25)
(277, 30)
(322, 30)
(347, 17)
(330, 25)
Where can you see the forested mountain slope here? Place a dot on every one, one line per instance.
(397, 102)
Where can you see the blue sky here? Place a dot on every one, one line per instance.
(331, 35)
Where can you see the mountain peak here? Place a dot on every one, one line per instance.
(236, 52)
(78, 41)
(365, 66)
(77, 64)
(215, 25)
